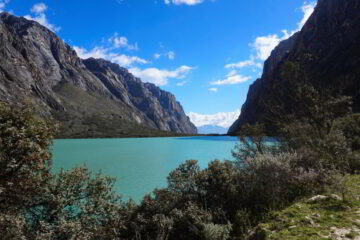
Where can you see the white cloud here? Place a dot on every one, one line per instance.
(265, 44)
(231, 80)
(3, 4)
(307, 9)
(105, 53)
(40, 17)
(263, 47)
(122, 42)
(39, 8)
(213, 89)
(240, 64)
(222, 119)
(247, 63)
(160, 77)
(125, 61)
(180, 84)
(154, 75)
(170, 55)
(231, 73)
(186, 2)
(97, 52)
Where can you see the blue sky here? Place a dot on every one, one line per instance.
(206, 52)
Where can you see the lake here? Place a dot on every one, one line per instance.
(139, 164)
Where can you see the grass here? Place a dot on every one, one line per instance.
(91, 116)
(323, 219)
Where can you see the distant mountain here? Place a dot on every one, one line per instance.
(212, 129)
(328, 50)
(91, 98)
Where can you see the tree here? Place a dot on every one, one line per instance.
(253, 141)
(307, 119)
(25, 156)
(36, 204)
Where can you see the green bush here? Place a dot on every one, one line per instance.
(34, 203)
(318, 141)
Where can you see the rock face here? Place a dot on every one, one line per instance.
(92, 98)
(331, 37)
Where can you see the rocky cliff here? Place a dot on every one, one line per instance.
(92, 98)
(331, 37)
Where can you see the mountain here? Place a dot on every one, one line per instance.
(212, 129)
(91, 98)
(329, 52)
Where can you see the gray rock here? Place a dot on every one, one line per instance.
(336, 197)
(309, 220)
(317, 198)
(331, 37)
(90, 97)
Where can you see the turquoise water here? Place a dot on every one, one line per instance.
(139, 164)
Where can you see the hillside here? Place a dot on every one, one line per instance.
(91, 98)
(328, 52)
(319, 217)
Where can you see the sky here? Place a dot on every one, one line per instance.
(206, 52)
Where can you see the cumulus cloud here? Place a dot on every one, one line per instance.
(160, 77)
(232, 79)
(157, 76)
(110, 50)
(222, 119)
(242, 64)
(122, 42)
(185, 2)
(231, 73)
(97, 52)
(307, 9)
(264, 45)
(105, 53)
(125, 61)
(3, 4)
(39, 10)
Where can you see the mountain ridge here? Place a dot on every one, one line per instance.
(330, 37)
(84, 95)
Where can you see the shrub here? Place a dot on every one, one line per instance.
(212, 231)
(270, 181)
(315, 122)
(34, 203)
(24, 156)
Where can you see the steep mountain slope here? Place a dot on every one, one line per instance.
(328, 50)
(92, 98)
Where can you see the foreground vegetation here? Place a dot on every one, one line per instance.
(316, 149)
(328, 216)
